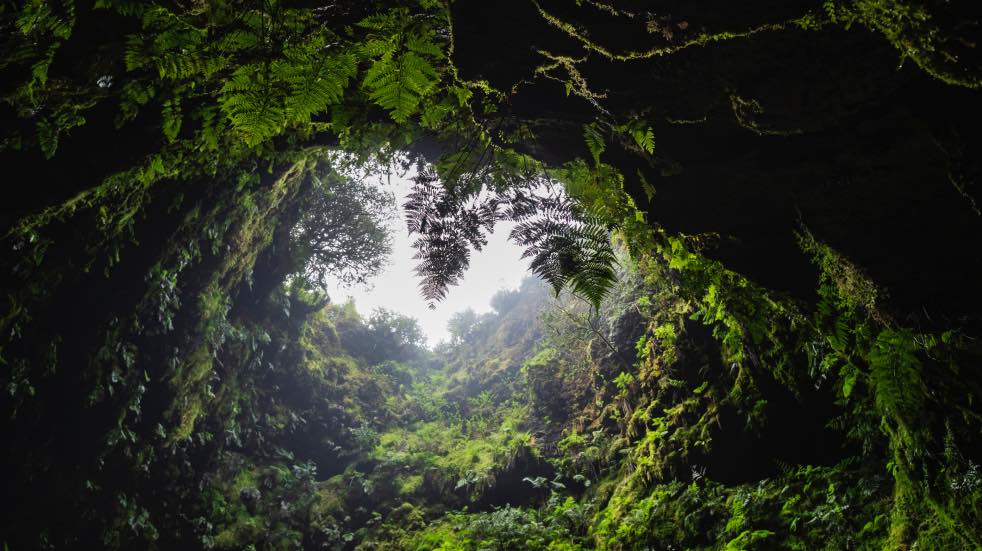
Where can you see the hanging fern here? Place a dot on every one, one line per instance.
(315, 86)
(644, 137)
(260, 100)
(171, 45)
(642, 134)
(40, 17)
(402, 54)
(594, 142)
(398, 83)
(895, 373)
(448, 228)
(567, 247)
(250, 102)
(172, 118)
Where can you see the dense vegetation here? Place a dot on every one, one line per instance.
(756, 323)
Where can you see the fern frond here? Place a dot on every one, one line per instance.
(249, 101)
(424, 45)
(313, 89)
(172, 118)
(239, 40)
(398, 83)
(128, 8)
(47, 17)
(594, 142)
(567, 248)
(135, 55)
(377, 47)
(645, 138)
(383, 21)
(402, 54)
(895, 373)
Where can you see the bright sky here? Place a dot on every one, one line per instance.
(497, 266)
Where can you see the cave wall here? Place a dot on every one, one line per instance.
(761, 136)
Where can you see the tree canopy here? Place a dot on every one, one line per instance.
(341, 232)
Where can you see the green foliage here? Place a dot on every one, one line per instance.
(384, 336)
(402, 52)
(594, 142)
(889, 363)
(242, 507)
(262, 100)
(623, 381)
(556, 527)
(197, 395)
(643, 136)
(895, 374)
(918, 31)
(341, 232)
(463, 326)
(460, 459)
(851, 289)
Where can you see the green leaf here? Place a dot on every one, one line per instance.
(645, 139)
(398, 83)
(172, 118)
(849, 381)
(649, 190)
(594, 142)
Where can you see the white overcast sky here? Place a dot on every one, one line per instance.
(497, 266)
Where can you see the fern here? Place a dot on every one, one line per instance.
(37, 17)
(313, 87)
(130, 8)
(645, 138)
(250, 103)
(895, 373)
(594, 142)
(135, 55)
(399, 82)
(51, 127)
(649, 190)
(47, 138)
(172, 118)
(567, 247)
(134, 94)
(209, 134)
(402, 54)
(448, 230)
(171, 45)
(642, 135)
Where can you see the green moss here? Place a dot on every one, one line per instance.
(916, 30)
(853, 289)
(243, 532)
(457, 458)
(805, 22)
(189, 404)
(329, 500)
(247, 478)
(409, 485)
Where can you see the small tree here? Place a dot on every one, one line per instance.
(463, 325)
(341, 233)
(384, 336)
